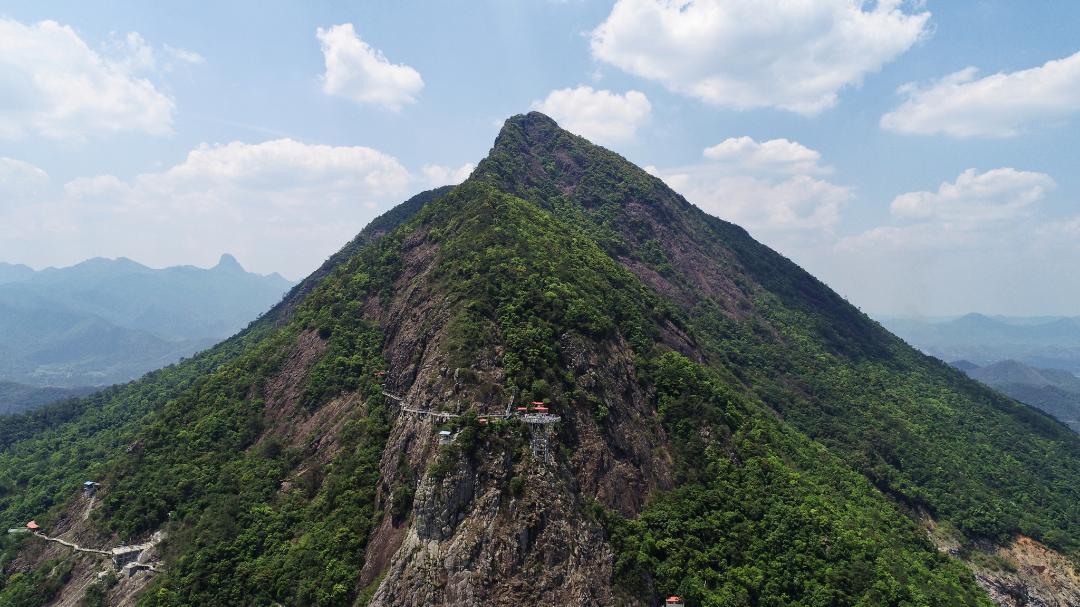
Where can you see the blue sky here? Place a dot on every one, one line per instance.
(848, 136)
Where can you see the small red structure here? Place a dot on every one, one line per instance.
(674, 601)
(482, 421)
(33, 526)
(521, 409)
(380, 373)
(540, 409)
(537, 402)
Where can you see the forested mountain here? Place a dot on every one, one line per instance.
(1055, 391)
(729, 429)
(107, 321)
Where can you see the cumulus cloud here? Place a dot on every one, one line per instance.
(598, 115)
(983, 241)
(358, 72)
(435, 175)
(762, 204)
(995, 195)
(974, 210)
(53, 84)
(999, 105)
(281, 205)
(793, 54)
(779, 155)
(771, 188)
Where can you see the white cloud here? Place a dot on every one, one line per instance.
(280, 205)
(762, 204)
(602, 116)
(985, 241)
(999, 194)
(358, 72)
(184, 56)
(975, 210)
(53, 84)
(779, 155)
(20, 181)
(790, 54)
(999, 105)
(770, 188)
(134, 53)
(435, 175)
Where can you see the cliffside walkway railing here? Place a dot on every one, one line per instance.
(125, 556)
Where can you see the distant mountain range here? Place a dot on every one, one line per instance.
(1054, 391)
(1032, 359)
(1042, 342)
(12, 272)
(105, 321)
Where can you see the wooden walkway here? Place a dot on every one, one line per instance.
(75, 547)
(444, 414)
(123, 555)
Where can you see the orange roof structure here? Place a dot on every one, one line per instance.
(672, 600)
(33, 526)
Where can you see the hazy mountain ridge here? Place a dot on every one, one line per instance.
(1044, 342)
(731, 429)
(14, 272)
(1054, 391)
(106, 321)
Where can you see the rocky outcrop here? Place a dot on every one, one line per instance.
(473, 542)
(1027, 574)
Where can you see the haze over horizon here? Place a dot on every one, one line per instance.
(225, 258)
(913, 155)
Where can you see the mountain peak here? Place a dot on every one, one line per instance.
(532, 119)
(532, 134)
(228, 262)
(536, 159)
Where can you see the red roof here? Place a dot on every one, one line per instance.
(32, 525)
(673, 599)
(537, 402)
